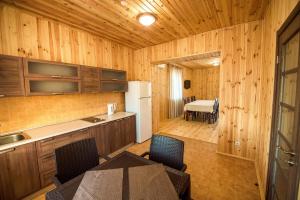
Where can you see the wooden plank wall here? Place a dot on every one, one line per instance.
(163, 90)
(28, 35)
(239, 72)
(276, 13)
(205, 83)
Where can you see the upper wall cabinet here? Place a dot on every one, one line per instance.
(45, 69)
(113, 75)
(90, 79)
(11, 76)
(113, 80)
(51, 78)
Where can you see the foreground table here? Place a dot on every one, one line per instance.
(180, 180)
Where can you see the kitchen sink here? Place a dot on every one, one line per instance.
(11, 138)
(93, 119)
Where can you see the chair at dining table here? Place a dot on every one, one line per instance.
(168, 151)
(74, 159)
(193, 98)
(186, 113)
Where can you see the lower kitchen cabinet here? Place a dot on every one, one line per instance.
(30, 167)
(114, 135)
(19, 172)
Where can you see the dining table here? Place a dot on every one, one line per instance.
(180, 180)
(205, 106)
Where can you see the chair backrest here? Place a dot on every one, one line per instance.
(188, 99)
(193, 98)
(184, 101)
(167, 150)
(76, 158)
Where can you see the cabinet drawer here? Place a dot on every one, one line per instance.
(47, 178)
(48, 146)
(47, 163)
(81, 135)
(45, 147)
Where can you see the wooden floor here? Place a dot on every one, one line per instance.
(191, 129)
(213, 176)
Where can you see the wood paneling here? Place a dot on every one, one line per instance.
(275, 15)
(27, 35)
(240, 48)
(205, 83)
(176, 19)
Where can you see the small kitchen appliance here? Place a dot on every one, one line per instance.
(111, 108)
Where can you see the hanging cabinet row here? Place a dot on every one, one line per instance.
(21, 76)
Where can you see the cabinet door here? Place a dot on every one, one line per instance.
(113, 75)
(132, 129)
(115, 135)
(11, 76)
(128, 130)
(22, 170)
(114, 86)
(48, 69)
(90, 79)
(102, 139)
(41, 86)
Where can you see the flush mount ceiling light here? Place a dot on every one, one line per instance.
(215, 63)
(146, 19)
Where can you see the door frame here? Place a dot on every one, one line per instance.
(273, 135)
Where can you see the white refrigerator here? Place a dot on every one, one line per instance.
(138, 100)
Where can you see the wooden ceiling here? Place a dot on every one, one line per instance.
(176, 18)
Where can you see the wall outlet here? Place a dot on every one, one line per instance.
(237, 143)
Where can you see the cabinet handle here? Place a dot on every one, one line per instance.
(85, 129)
(57, 93)
(114, 79)
(2, 95)
(7, 150)
(47, 140)
(49, 156)
(56, 76)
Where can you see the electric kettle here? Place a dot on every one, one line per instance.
(111, 108)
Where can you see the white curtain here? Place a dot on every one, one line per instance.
(176, 104)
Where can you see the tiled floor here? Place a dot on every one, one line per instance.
(191, 129)
(213, 176)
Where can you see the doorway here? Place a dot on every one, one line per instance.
(284, 165)
(201, 80)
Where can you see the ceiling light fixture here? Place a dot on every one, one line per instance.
(215, 63)
(146, 19)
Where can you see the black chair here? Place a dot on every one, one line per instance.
(193, 98)
(213, 117)
(168, 151)
(74, 159)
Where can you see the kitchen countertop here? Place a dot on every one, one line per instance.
(49, 131)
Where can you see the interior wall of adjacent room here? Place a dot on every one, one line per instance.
(163, 89)
(25, 34)
(240, 48)
(205, 82)
(276, 13)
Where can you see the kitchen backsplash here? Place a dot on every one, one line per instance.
(27, 112)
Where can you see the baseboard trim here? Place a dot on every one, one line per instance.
(234, 156)
(260, 185)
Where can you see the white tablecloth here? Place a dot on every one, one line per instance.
(200, 106)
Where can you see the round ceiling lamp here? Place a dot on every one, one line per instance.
(146, 19)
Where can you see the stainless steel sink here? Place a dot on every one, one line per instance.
(11, 138)
(93, 119)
